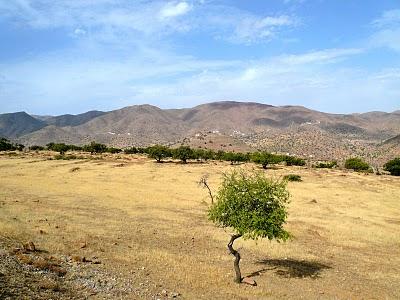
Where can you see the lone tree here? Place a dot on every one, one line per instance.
(254, 206)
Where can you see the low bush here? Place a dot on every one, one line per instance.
(292, 177)
(36, 148)
(6, 145)
(326, 165)
(393, 166)
(356, 164)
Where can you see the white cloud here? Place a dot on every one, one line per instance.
(388, 18)
(175, 9)
(387, 33)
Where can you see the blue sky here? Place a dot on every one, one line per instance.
(59, 56)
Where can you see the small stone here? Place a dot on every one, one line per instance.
(164, 292)
(175, 295)
(30, 246)
(249, 281)
(83, 245)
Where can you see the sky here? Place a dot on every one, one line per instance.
(71, 56)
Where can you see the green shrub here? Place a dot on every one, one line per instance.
(393, 166)
(183, 153)
(94, 147)
(293, 161)
(132, 150)
(113, 150)
(159, 152)
(292, 177)
(253, 206)
(356, 164)
(326, 165)
(36, 148)
(235, 157)
(6, 145)
(265, 158)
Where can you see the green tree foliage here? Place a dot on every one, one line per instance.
(326, 165)
(132, 150)
(159, 152)
(253, 206)
(94, 147)
(292, 177)
(393, 166)
(58, 147)
(293, 161)
(113, 150)
(6, 145)
(235, 157)
(356, 164)
(36, 148)
(265, 158)
(183, 153)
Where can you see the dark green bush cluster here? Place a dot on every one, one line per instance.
(266, 158)
(93, 148)
(6, 145)
(292, 177)
(393, 166)
(357, 164)
(326, 165)
(36, 148)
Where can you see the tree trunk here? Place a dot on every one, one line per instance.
(238, 278)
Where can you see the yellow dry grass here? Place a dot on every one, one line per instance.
(135, 213)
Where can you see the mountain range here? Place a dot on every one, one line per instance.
(228, 125)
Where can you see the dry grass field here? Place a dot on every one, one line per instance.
(145, 225)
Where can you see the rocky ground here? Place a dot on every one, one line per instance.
(27, 272)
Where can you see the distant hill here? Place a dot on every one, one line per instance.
(73, 120)
(13, 125)
(228, 125)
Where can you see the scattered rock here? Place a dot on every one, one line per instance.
(175, 295)
(313, 201)
(30, 246)
(83, 245)
(249, 281)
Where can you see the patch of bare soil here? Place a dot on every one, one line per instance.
(30, 273)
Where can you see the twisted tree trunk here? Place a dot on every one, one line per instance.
(235, 253)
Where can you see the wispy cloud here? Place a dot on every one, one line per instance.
(106, 18)
(387, 30)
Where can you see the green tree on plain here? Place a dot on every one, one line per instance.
(183, 153)
(253, 206)
(159, 152)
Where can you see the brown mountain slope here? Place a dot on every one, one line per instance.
(292, 129)
(16, 124)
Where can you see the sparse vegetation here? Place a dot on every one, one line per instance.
(292, 177)
(183, 153)
(357, 164)
(253, 206)
(265, 158)
(393, 166)
(6, 145)
(326, 165)
(159, 152)
(95, 148)
(36, 148)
